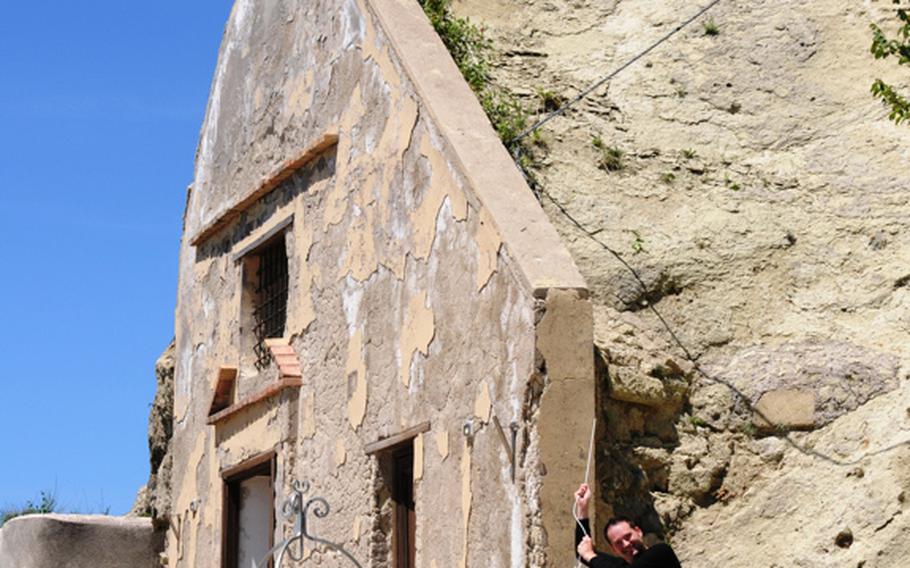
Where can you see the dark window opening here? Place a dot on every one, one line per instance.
(271, 298)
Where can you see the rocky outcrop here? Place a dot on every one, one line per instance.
(154, 499)
(753, 363)
(79, 541)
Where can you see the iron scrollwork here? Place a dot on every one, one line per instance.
(294, 507)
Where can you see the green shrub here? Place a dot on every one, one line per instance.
(472, 52)
(506, 114)
(883, 47)
(466, 42)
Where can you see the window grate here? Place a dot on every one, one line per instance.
(270, 311)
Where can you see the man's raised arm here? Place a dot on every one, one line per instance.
(584, 547)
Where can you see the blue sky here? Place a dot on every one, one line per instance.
(100, 110)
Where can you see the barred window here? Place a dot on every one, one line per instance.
(270, 302)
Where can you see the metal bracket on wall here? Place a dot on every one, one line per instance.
(510, 448)
(296, 508)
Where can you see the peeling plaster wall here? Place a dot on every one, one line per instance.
(420, 270)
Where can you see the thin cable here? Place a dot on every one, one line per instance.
(615, 72)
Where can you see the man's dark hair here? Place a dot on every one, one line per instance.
(616, 521)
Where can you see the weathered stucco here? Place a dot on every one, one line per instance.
(425, 285)
(78, 541)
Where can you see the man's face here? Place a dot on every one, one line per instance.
(625, 540)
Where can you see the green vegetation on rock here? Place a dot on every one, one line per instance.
(899, 47)
(473, 54)
(710, 27)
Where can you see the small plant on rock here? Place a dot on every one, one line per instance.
(611, 159)
(549, 100)
(688, 153)
(638, 243)
(509, 118)
(679, 88)
(697, 421)
(539, 140)
(710, 27)
(668, 177)
(747, 428)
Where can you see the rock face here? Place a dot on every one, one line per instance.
(760, 194)
(79, 541)
(161, 428)
(844, 503)
(154, 498)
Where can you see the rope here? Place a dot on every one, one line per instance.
(613, 74)
(590, 451)
(587, 476)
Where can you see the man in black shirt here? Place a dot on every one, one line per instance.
(624, 537)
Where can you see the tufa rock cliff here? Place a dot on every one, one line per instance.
(753, 375)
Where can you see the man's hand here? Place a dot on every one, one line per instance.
(586, 549)
(582, 498)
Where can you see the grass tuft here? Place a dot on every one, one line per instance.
(47, 503)
(611, 159)
(710, 27)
